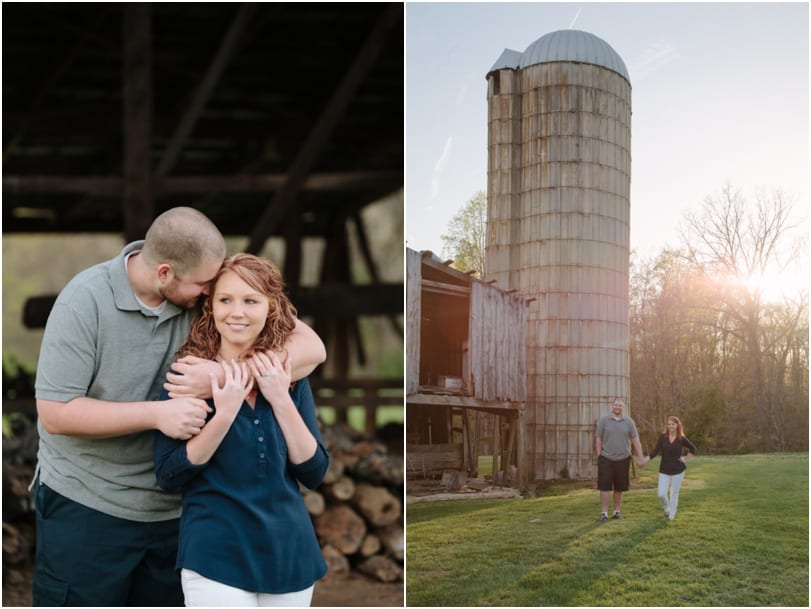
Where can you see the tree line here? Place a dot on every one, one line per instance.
(708, 342)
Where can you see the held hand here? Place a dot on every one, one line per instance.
(272, 376)
(190, 377)
(228, 398)
(181, 418)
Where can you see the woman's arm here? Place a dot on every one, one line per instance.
(227, 401)
(307, 456)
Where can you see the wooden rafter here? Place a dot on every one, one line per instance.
(233, 38)
(323, 128)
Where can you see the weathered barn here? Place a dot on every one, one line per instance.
(559, 150)
(465, 356)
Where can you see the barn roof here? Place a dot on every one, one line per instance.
(235, 108)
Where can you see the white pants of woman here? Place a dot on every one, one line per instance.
(202, 592)
(674, 483)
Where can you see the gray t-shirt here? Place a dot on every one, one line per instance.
(101, 343)
(616, 436)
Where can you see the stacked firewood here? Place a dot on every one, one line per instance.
(358, 510)
(19, 459)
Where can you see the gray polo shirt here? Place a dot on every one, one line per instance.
(616, 436)
(101, 343)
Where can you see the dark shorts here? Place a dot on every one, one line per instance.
(87, 558)
(613, 475)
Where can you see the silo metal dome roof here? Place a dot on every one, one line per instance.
(573, 45)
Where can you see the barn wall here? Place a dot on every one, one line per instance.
(413, 314)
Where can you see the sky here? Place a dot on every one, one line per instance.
(720, 95)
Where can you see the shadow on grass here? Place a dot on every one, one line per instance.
(437, 510)
(589, 560)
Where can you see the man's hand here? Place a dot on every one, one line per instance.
(191, 377)
(181, 418)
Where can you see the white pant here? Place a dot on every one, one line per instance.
(202, 592)
(674, 482)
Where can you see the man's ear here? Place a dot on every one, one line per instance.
(165, 273)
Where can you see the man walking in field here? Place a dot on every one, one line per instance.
(615, 434)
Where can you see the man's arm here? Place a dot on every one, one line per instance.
(598, 445)
(191, 376)
(85, 417)
(638, 447)
(305, 349)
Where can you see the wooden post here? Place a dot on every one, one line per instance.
(137, 103)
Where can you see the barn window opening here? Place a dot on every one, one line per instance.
(444, 333)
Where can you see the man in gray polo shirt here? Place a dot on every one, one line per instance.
(613, 438)
(106, 534)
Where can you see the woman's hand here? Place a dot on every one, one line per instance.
(272, 376)
(228, 398)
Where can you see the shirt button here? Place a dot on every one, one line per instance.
(261, 439)
(256, 421)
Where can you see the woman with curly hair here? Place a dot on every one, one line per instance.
(671, 444)
(246, 538)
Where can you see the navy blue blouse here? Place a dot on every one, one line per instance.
(244, 522)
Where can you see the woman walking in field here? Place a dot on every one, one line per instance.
(671, 444)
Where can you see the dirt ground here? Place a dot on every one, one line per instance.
(352, 591)
(358, 591)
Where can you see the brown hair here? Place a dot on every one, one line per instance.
(679, 427)
(262, 275)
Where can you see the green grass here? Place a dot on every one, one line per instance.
(740, 539)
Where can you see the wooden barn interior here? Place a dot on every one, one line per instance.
(277, 120)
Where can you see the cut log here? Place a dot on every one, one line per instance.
(335, 470)
(16, 548)
(337, 563)
(340, 490)
(341, 527)
(382, 568)
(377, 504)
(380, 469)
(371, 545)
(314, 501)
(393, 540)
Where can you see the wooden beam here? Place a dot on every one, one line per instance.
(137, 104)
(366, 251)
(113, 186)
(461, 401)
(323, 128)
(233, 38)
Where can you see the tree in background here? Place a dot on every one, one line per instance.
(466, 237)
(709, 344)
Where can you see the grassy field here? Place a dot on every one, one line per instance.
(740, 539)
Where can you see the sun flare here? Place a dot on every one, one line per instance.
(775, 287)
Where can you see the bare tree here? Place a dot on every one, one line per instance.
(729, 242)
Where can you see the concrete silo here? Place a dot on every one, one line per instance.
(559, 172)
